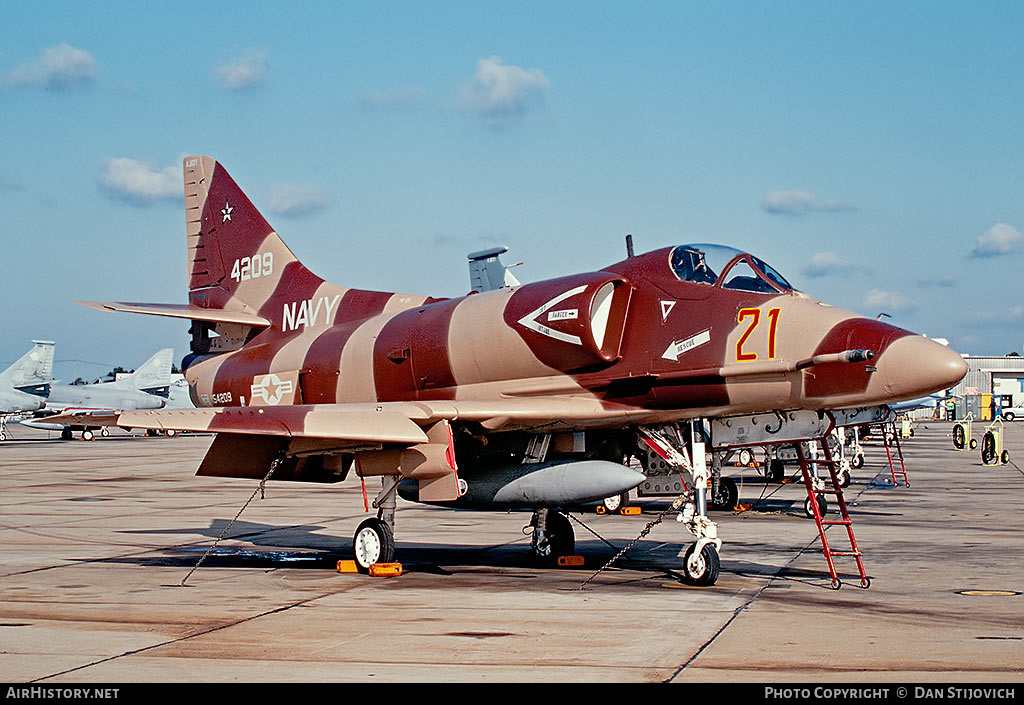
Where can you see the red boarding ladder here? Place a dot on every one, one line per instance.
(823, 523)
(899, 453)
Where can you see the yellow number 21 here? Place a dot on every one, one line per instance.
(754, 314)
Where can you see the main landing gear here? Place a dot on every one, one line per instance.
(374, 540)
(552, 536)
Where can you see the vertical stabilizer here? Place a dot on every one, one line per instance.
(154, 373)
(33, 368)
(236, 260)
(486, 271)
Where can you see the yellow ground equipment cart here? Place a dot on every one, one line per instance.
(962, 434)
(992, 452)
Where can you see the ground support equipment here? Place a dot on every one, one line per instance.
(845, 521)
(795, 429)
(892, 439)
(992, 452)
(962, 434)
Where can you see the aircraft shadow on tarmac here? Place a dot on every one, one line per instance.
(301, 547)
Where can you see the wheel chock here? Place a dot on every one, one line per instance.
(629, 511)
(347, 567)
(384, 570)
(600, 509)
(570, 561)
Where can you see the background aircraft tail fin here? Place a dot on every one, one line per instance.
(154, 373)
(33, 368)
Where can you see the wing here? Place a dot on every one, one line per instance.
(319, 442)
(388, 422)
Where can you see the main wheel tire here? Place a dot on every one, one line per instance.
(726, 496)
(373, 542)
(701, 569)
(556, 540)
(616, 502)
(776, 471)
(87, 435)
(65, 434)
(1004, 457)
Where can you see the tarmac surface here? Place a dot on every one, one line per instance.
(100, 543)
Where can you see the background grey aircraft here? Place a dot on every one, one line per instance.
(24, 385)
(146, 388)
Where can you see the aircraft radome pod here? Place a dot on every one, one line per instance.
(308, 380)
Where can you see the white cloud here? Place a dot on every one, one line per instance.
(61, 67)
(885, 301)
(292, 200)
(247, 71)
(796, 202)
(500, 93)
(1000, 239)
(824, 264)
(140, 183)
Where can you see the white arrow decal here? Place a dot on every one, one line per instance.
(677, 348)
(531, 322)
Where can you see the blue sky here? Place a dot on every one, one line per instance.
(871, 151)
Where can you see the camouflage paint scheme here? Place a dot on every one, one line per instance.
(284, 362)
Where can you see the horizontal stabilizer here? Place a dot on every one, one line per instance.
(78, 417)
(195, 313)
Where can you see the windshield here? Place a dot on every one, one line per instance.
(704, 264)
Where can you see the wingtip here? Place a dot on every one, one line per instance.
(97, 305)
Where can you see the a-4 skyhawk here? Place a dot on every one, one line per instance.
(145, 388)
(527, 396)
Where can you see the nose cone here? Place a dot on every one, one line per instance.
(915, 366)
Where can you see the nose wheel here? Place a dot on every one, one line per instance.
(701, 567)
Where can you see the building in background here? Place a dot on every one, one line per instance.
(988, 377)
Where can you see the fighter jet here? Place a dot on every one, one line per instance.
(25, 384)
(146, 388)
(526, 396)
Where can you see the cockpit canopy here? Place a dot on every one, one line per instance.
(717, 265)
